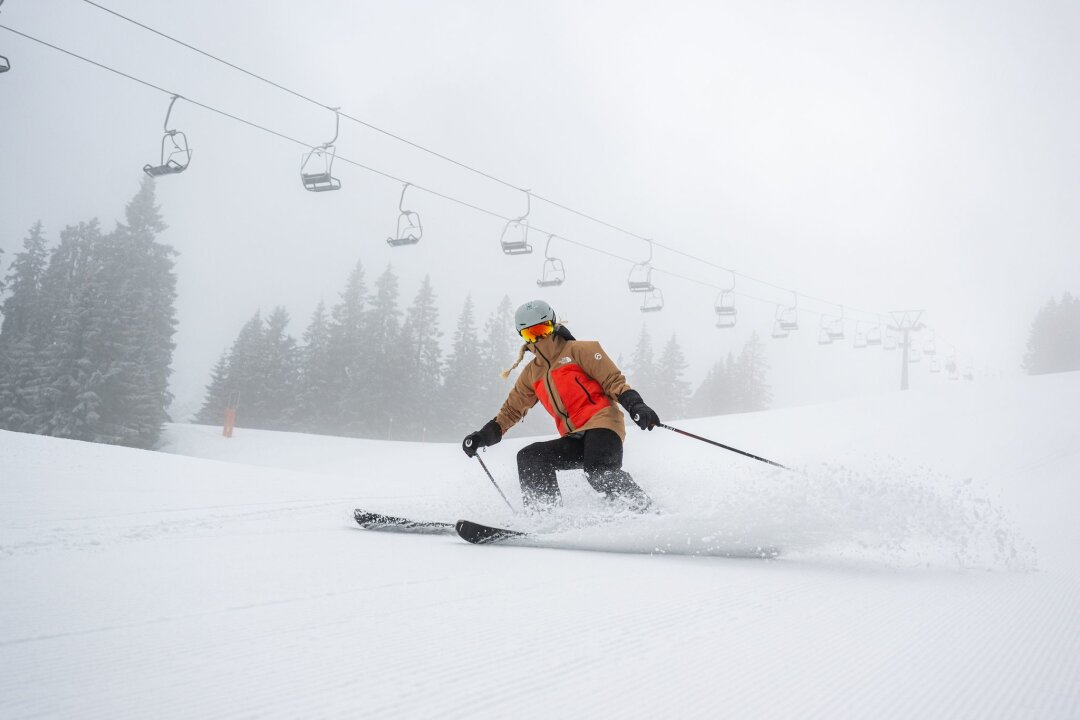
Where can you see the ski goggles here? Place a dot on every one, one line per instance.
(534, 332)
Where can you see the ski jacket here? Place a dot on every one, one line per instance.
(575, 381)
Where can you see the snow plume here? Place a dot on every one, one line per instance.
(899, 517)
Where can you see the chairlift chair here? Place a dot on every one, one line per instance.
(930, 347)
(640, 277)
(317, 165)
(173, 160)
(553, 273)
(873, 335)
(726, 313)
(653, 301)
(784, 322)
(515, 234)
(859, 342)
(914, 354)
(836, 327)
(824, 336)
(969, 372)
(935, 365)
(787, 316)
(409, 227)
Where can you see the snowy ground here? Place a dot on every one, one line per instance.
(930, 569)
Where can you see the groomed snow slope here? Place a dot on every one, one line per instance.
(930, 569)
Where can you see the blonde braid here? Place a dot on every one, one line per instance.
(521, 356)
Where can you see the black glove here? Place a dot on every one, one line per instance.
(490, 434)
(645, 417)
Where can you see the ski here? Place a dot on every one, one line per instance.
(377, 521)
(479, 534)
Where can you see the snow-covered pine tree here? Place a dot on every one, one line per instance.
(751, 389)
(421, 344)
(498, 350)
(1054, 340)
(220, 394)
(460, 405)
(247, 373)
(64, 370)
(20, 334)
(316, 400)
(280, 366)
(672, 391)
(380, 383)
(348, 352)
(642, 374)
(147, 292)
(24, 285)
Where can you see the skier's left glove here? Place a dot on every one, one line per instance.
(645, 417)
(488, 435)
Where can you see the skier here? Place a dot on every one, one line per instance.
(576, 382)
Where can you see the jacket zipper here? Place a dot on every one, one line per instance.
(555, 397)
(584, 390)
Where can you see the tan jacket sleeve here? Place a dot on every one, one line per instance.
(597, 365)
(521, 398)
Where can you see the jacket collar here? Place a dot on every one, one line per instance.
(548, 347)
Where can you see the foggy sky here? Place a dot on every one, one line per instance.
(880, 155)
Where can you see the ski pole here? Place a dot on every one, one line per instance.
(726, 447)
(492, 479)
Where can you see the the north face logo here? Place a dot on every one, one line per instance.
(564, 360)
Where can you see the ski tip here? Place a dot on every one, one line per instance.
(478, 534)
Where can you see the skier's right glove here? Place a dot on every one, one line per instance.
(645, 417)
(488, 435)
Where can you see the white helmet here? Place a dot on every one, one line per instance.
(532, 313)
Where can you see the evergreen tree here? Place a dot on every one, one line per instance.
(348, 352)
(247, 371)
(497, 352)
(1054, 341)
(422, 366)
(64, 371)
(20, 341)
(219, 394)
(316, 398)
(382, 379)
(643, 374)
(24, 286)
(280, 367)
(146, 291)
(671, 388)
(89, 333)
(752, 392)
(461, 406)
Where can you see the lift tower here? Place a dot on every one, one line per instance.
(905, 322)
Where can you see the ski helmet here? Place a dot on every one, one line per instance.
(532, 313)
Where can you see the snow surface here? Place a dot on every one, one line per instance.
(929, 568)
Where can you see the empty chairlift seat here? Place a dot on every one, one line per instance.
(175, 152)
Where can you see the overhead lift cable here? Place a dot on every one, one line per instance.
(523, 243)
(630, 261)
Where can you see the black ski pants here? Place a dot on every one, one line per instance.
(599, 452)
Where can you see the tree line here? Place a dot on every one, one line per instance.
(368, 367)
(1054, 341)
(86, 340)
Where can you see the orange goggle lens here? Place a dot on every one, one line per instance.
(534, 332)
